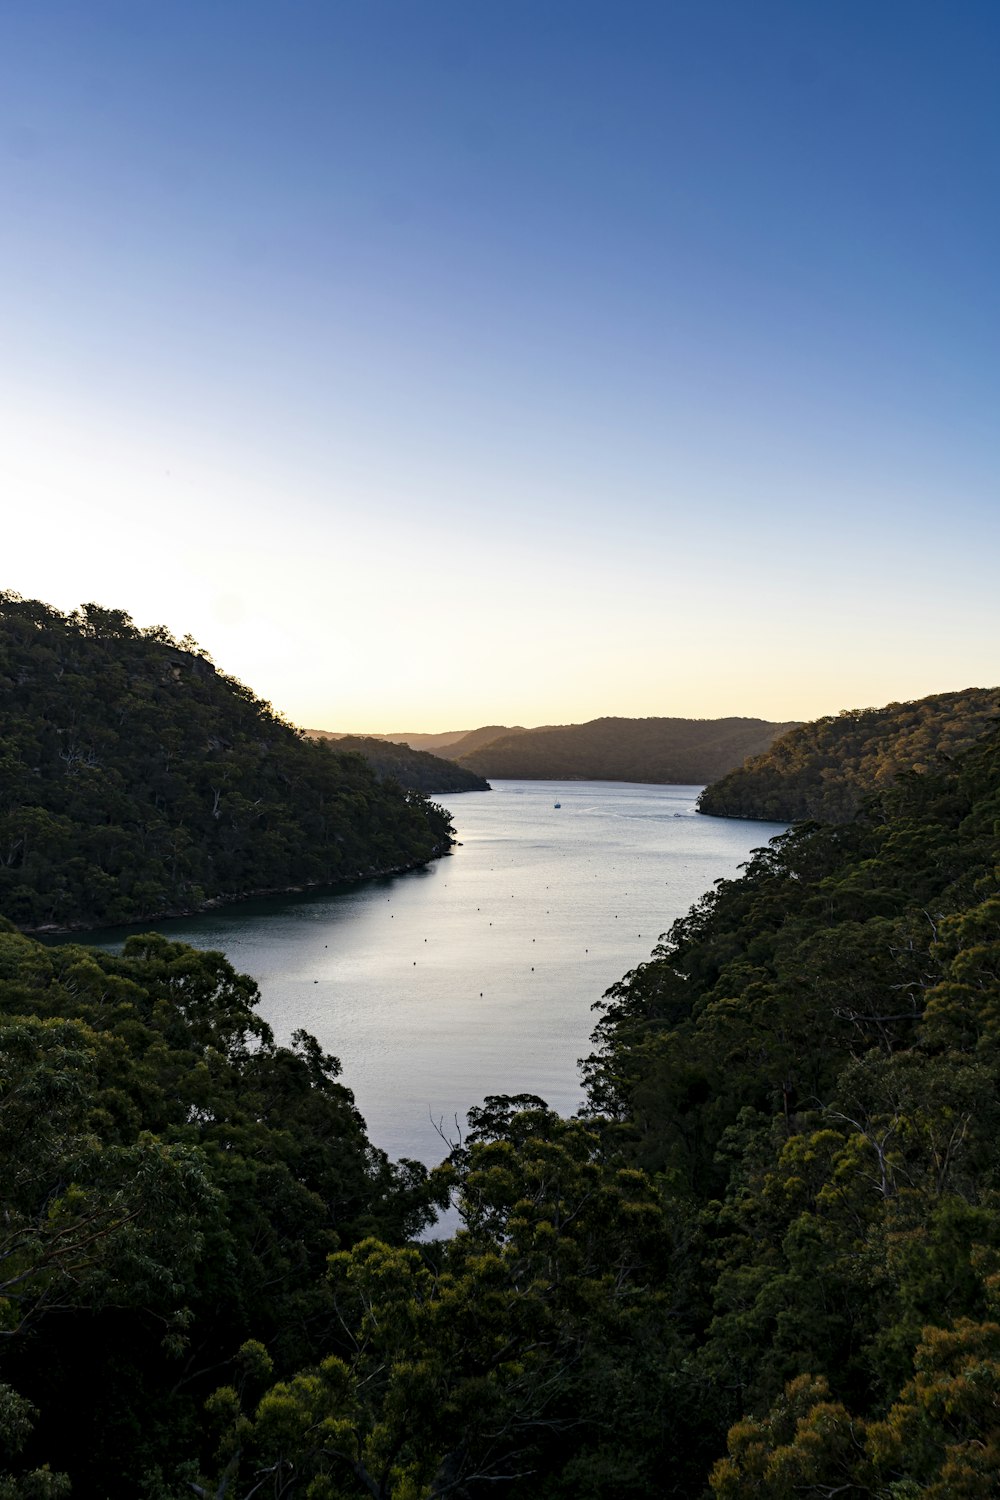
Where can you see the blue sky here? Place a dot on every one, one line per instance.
(442, 363)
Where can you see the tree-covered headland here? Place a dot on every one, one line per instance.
(826, 768)
(420, 770)
(765, 1261)
(136, 780)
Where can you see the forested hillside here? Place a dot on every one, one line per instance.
(418, 770)
(477, 739)
(656, 750)
(825, 769)
(810, 1066)
(135, 779)
(766, 1262)
(173, 1183)
(449, 743)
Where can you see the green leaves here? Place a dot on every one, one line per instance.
(940, 1439)
(173, 1185)
(17, 1421)
(536, 1348)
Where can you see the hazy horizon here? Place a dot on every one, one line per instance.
(448, 365)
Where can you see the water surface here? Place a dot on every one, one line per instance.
(478, 974)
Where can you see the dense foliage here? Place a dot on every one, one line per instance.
(172, 1185)
(781, 1218)
(689, 751)
(810, 1066)
(418, 770)
(764, 1262)
(135, 779)
(826, 768)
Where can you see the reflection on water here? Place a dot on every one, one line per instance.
(477, 975)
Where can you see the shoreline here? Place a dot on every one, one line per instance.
(211, 903)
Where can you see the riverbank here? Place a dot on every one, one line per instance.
(475, 974)
(236, 898)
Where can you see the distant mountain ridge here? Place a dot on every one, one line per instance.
(664, 750)
(416, 769)
(416, 741)
(826, 768)
(478, 739)
(450, 744)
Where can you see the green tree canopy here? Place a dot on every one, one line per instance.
(137, 780)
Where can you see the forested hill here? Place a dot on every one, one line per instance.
(417, 769)
(656, 750)
(450, 744)
(476, 739)
(135, 780)
(811, 1061)
(826, 768)
(765, 1262)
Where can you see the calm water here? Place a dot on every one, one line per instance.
(477, 975)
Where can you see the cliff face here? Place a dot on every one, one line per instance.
(416, 769)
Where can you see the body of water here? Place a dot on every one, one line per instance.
(478, 974)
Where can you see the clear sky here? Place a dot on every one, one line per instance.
(437, 363)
